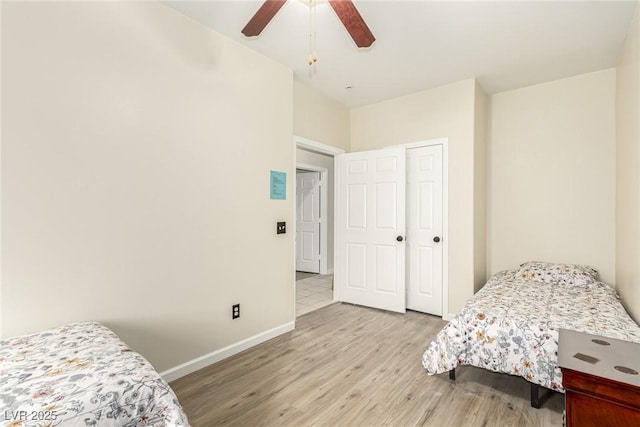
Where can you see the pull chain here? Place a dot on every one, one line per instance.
(313, 56)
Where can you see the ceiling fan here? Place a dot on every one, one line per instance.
(345, 9)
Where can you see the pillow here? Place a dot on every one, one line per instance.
(563, 274)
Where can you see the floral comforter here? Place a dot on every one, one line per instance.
(81, 374)
(511, 326)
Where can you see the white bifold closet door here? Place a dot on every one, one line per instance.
(424, 229)
(371, 210)
(389, 228)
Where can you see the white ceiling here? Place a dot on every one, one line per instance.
(425, 44)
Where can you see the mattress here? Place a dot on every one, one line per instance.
(81, 374)
(511, 326)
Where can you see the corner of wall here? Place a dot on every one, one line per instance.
(627, 229)
(480, 186)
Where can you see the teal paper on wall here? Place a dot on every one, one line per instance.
(278, 185)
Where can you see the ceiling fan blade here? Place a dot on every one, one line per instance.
(353, 22)
(262, 17)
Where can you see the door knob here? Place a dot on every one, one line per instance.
(399, 238)
(436, 239)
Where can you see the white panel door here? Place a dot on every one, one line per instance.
(371, 216)
(308, 222)
(424, 229)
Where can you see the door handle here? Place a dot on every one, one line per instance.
(436, 239)
(399, 238)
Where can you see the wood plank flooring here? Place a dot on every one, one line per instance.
(347, 365)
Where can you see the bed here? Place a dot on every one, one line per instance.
(511, 325)
(81, 374)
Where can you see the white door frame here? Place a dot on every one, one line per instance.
(323, 211)
(317, 147)
(445, 214)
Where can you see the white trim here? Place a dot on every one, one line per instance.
(228, 351)
(445, 225)
(318, 147)
(294, 216)
(438, 141)
(323, 211)
(445, 214)
(448, 317)
(337, 264)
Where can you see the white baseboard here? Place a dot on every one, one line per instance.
(216, 356)
(330, 270)
(448, 317)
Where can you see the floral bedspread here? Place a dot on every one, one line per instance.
(511, 325)
(81, 374)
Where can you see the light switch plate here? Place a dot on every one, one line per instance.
(281, 228)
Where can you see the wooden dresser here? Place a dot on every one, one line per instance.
(601, 377)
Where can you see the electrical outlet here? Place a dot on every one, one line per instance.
(235, 311)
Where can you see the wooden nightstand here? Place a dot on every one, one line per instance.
(601, 377)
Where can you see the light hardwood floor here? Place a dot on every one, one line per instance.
(346, 365)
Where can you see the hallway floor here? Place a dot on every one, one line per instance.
(313, 292)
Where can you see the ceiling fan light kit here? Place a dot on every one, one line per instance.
(344, 9)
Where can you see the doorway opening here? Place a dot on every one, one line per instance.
(314, 233)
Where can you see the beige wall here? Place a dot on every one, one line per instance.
(304, 157)
(446, 111)
(627, 175)
(136, 150)
(552, 174)
(319, 118)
